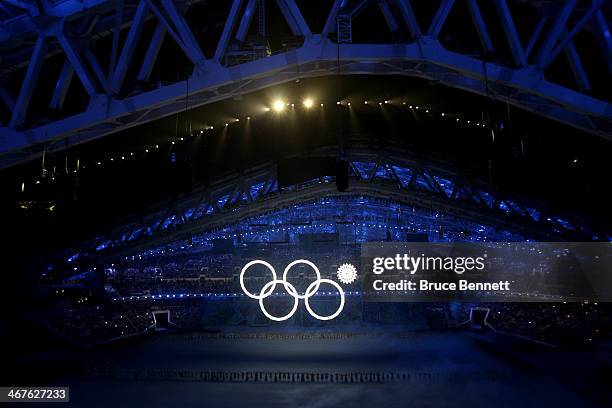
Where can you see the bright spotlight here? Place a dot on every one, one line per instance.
(308, 103)
(278, 105)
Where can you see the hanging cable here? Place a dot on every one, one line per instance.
(489, 121)
(341, 143)
(187, 114)
(66, 157)
(511, 129)
(43, 171)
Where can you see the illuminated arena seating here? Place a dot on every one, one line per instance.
(197, 281)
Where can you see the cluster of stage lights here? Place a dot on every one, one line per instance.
(278, 106)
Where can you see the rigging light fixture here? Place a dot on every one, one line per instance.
(308, 103)
(279, 105)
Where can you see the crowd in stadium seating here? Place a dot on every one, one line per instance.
(555, 323)
(570, 324)
(92, 323)
(172, 274)
(175, 274)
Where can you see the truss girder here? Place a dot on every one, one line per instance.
(521, 83)
(393, 176)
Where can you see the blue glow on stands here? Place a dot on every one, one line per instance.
(362, 211)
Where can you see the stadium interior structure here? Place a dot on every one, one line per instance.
(149, 149)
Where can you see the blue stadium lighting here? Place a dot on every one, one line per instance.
(416, 220)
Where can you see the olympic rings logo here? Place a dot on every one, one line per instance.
(269, 288)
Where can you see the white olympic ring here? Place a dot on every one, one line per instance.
(312, 289)
(261, 301)
(247, 266)
(310, 292)
(300, 261)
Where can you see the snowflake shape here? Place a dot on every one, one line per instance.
(347, 273)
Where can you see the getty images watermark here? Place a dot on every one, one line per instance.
(486, 272)
(413, 264)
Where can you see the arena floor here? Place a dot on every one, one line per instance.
(423, 369)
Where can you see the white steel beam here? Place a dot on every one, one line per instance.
(29, 82)
(228, 28)
(530, 90)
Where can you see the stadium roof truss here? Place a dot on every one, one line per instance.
(31, 32)
(395, 177)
